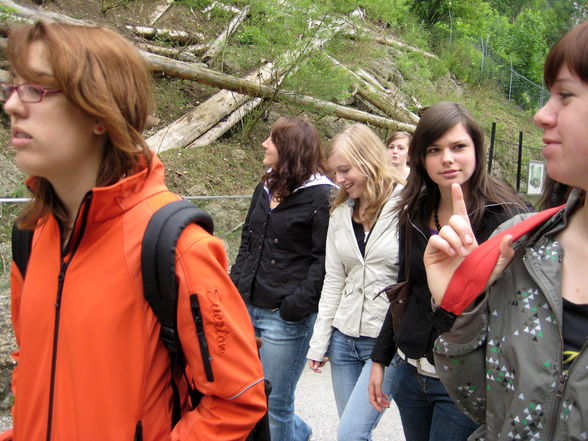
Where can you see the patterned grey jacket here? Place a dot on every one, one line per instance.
(502, 361)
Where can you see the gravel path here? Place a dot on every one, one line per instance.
(315, 403)
(5, 422)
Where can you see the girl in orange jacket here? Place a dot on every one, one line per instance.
(90, 363)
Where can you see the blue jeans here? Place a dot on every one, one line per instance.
(283, 355)
(426, 410)
(350, 372)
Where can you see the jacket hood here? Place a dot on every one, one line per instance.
(316, 179)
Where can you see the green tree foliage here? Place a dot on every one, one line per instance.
(528, 46)
(476, 37)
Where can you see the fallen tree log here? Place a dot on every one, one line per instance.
(35, 14)
(390, 94)
(229, 82)
(186, 129)
(224, 81)
(222, 39)
(388, 41)
(226, 124)
(370, 90)
(165, 34)
(185, 53)
(221, 6)
(159, 11)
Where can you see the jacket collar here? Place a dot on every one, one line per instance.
(116, 199)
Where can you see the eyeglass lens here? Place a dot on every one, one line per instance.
(28, 93)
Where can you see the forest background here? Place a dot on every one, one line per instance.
(385, 58)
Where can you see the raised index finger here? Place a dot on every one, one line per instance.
(459, 206)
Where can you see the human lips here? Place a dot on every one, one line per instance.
(19, 137)
(450, 173)
(548, 145)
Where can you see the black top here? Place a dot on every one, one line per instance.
(417, 332)
(575, 330)
(281, 260)
(360, 236)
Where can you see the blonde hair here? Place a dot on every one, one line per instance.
(102, 74)
(365, 151)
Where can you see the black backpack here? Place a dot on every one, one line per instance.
(158, 258)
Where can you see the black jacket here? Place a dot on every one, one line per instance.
(281, 260)
(417, 333)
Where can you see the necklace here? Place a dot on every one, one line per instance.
(436, 218)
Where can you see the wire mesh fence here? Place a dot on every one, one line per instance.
(517, 87)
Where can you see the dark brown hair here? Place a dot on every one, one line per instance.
(101, 73)
(399, 134)
(571, 51)
(421, 195)
(300, 155)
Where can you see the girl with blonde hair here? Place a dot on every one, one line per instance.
(361, 259)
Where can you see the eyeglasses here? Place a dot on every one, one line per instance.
(28, 93)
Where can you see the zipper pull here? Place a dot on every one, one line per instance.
(563, 378)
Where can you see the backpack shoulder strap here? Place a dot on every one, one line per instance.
(158, 268)
(158, 262)
(22, 241)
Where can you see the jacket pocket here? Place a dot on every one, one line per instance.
(138, 432)
(348, 290)
(279, 259)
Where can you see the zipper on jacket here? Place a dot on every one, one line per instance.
(60, 282)
(204, 352)
(563, 376)
(138, 432)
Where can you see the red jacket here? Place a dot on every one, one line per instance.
(90, 364)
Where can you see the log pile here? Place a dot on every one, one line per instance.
(191, 57)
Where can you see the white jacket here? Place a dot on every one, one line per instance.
(351, 283)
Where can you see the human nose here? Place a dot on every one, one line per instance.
(338, 178)
(14, 105)
(546, 115)
(447, 156)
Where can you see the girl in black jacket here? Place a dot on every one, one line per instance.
(447, 148)
(280, 266)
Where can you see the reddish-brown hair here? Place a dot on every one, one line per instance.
(101, 73)
(300, 155)
(571, 51)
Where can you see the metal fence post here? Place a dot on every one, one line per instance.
(510, 82)
(491, 149)
(519, 161)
